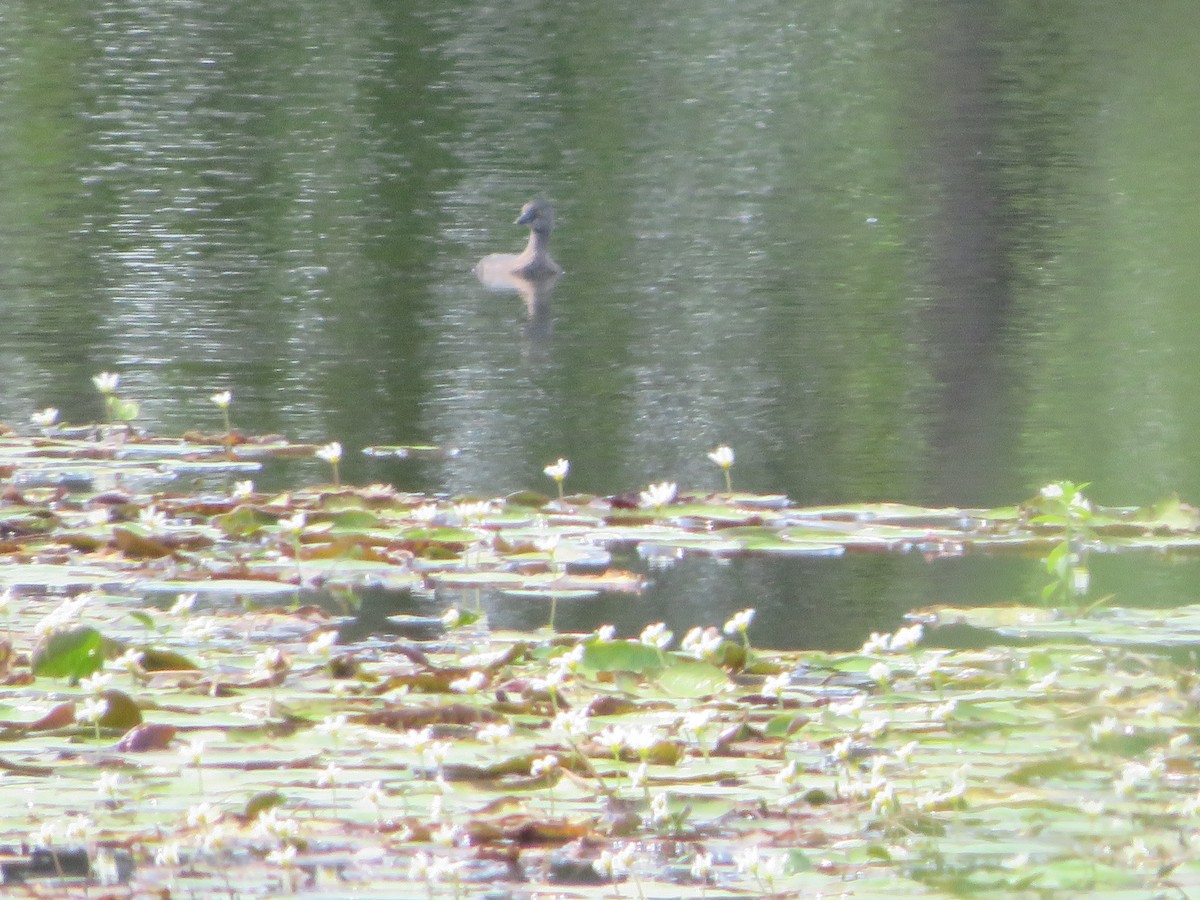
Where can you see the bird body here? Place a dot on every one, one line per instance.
(534, 261)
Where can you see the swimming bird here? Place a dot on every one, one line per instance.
(534, 262)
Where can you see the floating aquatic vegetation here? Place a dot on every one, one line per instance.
(176, 720)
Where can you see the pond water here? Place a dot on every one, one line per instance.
(939, 253)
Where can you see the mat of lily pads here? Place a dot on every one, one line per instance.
(239, 749)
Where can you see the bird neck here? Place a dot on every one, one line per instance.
(537, 248)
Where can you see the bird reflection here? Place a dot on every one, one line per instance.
(532, 273)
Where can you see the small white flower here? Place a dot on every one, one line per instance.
(469, 511)
(843, 748)
(880, 672)
(656, 635)
(414, 739)
(420, 867)
(641, 738)
(1045, 683)
(1052, 491)
(944, 711)
(494, 733)
(106, 382)
(331, 775)
(203, 815)
(884, 801)
(151, 519)
(92, 710)
(221, 399)
(331, 452)
(877, 643)
(660, 808)
(469, 685)
(169, 854)
(104, 866)
(451, 617)
(243, 488)
(293, 525)
(558, 470)
(774, 684)
(658, 494)
(606, 633)
(435, 753)
(278, 826)
(45, 418)
(610, 864)
(109, 785)
(374, 794)
(46, 834)
(322, 644)
(907, 638)
(425, 513)
(571, 659)
(284, 856)
(572, 723)
(95, 683)
(788, 774)
(701, 642)
(748, 860)
(543, 766)
(696, 721)
(722, 456)
(130, 661)
(740, 621)
(336, 727)
(702, 866)
(192, 753)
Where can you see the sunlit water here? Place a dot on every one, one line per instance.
(939, 255)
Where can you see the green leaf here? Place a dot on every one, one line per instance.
(72, 653)
(243, 521)
(261, 802)
(124, 410)
(621, 656)
(692, 678)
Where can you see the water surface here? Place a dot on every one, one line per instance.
(937, 253)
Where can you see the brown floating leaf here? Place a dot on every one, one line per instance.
(147, 736)
(60, 716)
(19, 769)
(137, 546)
(405, 718)
(122, 712)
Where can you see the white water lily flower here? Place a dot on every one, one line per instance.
(656, 635)
(331, 452)
(722, 456)
(293, 524)
(221, 399)
(658, 494)
(106, 382)
(45, 418)
(908, 637)
(739, 621)
(92, 710)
